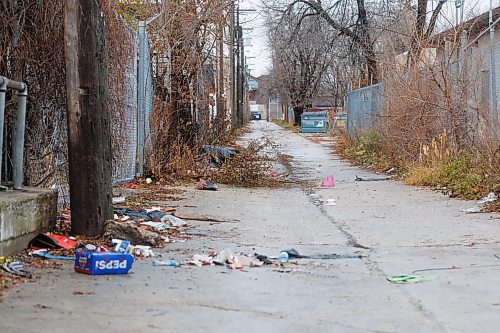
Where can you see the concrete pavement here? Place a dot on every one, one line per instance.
(398, 229)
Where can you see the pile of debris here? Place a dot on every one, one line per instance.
(245, 167)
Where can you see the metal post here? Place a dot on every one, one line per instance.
(141, 98)
(19, 139)
(241, 98)
(268, 110)
(493, 85)
(3, 89)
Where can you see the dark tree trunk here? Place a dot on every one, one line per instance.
(297, 112)
(89, 139)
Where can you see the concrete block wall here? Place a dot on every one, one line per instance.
(24, 214)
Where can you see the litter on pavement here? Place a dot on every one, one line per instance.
(294, 254)
(477, 208)
(487, 199)
(226, 258)
(101, 263)
(171, 263)
(330, 202)
(117, 200)
(198, 218)
(52, 241)
(205, 185)
(328, 182)
(124, 246)
(371, 179)
(44, 253)
(219, 154)
(410, 278)
(16, 268)
(315, 198)
(146, 215)
(158, 226)
(174, 221)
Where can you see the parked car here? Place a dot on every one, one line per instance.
(255, 115)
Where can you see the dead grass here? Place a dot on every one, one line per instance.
(247, 169)
(468, 174)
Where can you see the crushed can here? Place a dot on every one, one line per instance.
(100, 263)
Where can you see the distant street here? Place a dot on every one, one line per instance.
(395, 228)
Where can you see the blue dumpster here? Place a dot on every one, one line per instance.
(314, 122)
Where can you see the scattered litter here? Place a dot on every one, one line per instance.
(472, 210)
(146, 215)
(198, 218)
(391, 170)
(368, 179)
(143, 251)
(16, 268)
(491, 197)
(82, 293)
(122, 246)
(328, 182)
(94, 263)
(52, 241)
(410, 278)
(283, 257)
(201, 260)
(117, 200)
(171, 263)
(204, 185)
(102, 248)
(265, 260)
(315, 198)
(294, 254)
(4, 260)
(436, 269)
(149, 181)
(131, 185)
(236, 265)
(226, 258)
(330, 202)
(174, 221)
(219, 154)
(91, 247)
(46, 255)
(274, 173)
(159, 226)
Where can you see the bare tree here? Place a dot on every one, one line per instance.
(348, 20)
(300, 57)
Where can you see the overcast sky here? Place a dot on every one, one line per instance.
(256, 45)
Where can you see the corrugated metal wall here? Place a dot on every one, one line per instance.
(362, 106)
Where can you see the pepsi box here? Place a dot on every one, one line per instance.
(100, 263)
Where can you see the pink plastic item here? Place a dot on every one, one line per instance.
(329, 182)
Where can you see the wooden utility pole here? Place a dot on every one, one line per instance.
(89, 138)
(221, 108)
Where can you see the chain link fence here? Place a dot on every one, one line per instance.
(124, 161)
(145, 97)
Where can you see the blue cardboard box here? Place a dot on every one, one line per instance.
(99, 263)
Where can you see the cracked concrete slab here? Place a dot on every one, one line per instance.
(397, 229)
